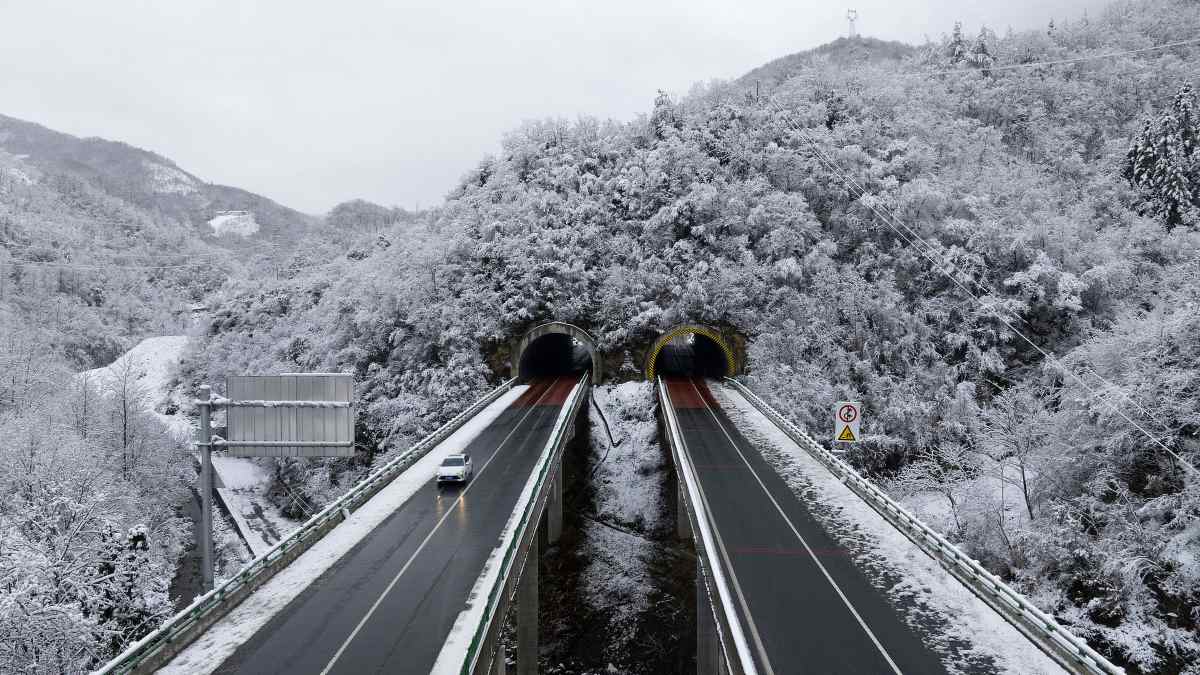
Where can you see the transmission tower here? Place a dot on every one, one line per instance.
(852, 16)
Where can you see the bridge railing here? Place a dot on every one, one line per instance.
(735, 647)
(485, 640)
(179, 631)
(1071, 651)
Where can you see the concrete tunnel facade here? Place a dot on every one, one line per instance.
(689, 349)
(556, 348)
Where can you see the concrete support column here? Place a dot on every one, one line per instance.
(554, 508)
(527, 615)
(683, 528)
(498, 664)
(708, 645)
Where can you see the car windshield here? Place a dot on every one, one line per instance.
(453, 461)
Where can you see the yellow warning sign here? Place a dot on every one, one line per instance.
(846, 435)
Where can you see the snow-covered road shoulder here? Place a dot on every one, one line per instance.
(971, 634)
(206, 654)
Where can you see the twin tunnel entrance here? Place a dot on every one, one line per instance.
(688, 350)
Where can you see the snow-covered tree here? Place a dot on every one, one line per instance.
(1164, 160)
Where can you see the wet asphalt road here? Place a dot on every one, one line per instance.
(388, 604)
(804, 604)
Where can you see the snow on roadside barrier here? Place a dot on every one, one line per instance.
(450, 658)
(207, 653)
(973, 631)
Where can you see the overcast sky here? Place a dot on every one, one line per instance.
(312, 104)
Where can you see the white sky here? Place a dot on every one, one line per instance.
(314, 103)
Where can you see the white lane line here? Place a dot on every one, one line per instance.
(429, 536)
(787, 520)
(716, 532)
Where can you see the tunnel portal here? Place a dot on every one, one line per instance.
(553, 349)
(691, 351)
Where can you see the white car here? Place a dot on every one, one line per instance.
(456, 469)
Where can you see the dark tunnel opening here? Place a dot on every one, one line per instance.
(554, 354)
(692, 355)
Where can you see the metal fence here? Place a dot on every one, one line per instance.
(1071, 651)
(180, 630)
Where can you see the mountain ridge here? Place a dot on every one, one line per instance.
(147, 180)
(842, 51)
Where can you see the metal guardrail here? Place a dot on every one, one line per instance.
(735, 648)
(176, 633)
(1071, 651)
(487, 632)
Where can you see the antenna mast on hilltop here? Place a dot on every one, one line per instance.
(852, 16)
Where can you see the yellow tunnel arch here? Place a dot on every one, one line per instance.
(692, 329)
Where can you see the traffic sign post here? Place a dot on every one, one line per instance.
(206, 486)
(291, 415)
(847, 415)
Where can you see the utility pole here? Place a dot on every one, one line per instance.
(206, 485)
(852, 16)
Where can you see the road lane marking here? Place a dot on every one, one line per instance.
(807, 548)
(449, 512)
(716, 532)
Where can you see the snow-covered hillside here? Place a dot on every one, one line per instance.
(169, 180)
(149, 365)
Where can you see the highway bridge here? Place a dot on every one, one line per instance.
(797, 597)
(402, 575)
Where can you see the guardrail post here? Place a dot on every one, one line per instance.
(708, 646)
(527, 614)
(206, 487)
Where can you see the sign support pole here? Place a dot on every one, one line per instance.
(206, 486)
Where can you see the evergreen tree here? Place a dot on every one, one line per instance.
(957, 50)
(1164, 160)
(980, 56)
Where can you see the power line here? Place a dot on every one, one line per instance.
(983, 289)
(891, 220)
(1055, 62)
(73, 247)
(76, 266)
(1058, 62)
(194, 259)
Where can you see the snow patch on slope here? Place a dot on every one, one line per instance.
(9, 168)
(878, 546)
(149, 365)
(241, 483)
(621, 493)
(18, 175)
(241, 223)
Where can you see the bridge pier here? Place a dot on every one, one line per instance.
(554, 508)
(527, 615)
(708, 645)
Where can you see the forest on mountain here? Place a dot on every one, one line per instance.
(1001, 259)
(998, 258)
(101, 245)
